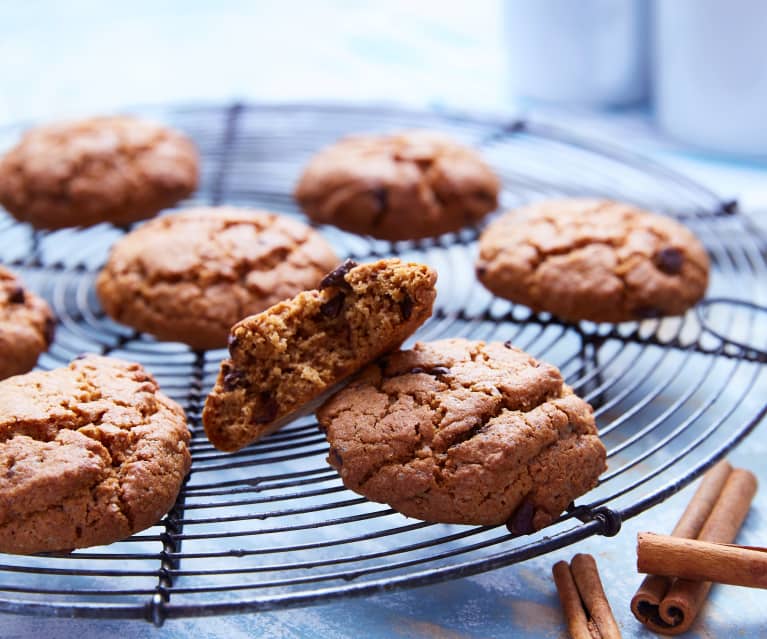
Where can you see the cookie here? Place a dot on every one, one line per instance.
(404, 186)
(585, 259)
(190, 276)
(26, 326)
(290, 354)
(464, 432)
(89, 454)
(104, 169)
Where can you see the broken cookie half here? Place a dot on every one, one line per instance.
(289, 355)
(464, 432)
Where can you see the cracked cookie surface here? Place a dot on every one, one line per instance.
(190, 276)
(26, 326)
(585, 259)
(398, 187)
(465, 432)
(89, 454)
(105, 169)
(292, 353)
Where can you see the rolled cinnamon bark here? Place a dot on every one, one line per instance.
(577, 624)
(583, 599)
(702, 561)
(586, 576)
(646, 602)
(685, 598)
(674, 610)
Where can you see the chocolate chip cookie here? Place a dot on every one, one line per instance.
(89, 454)
(464, 432)
(190, 276)
(398, 187)
(26, 326)
(290, 354)
(598, 260)
(104, 169)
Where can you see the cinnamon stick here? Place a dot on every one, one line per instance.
(685, 598)
(676, 610)
(702, 561)
(583, 599)
(577, 624)
(645, 604)
(586, 576)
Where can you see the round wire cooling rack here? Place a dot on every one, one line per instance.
(272, 526)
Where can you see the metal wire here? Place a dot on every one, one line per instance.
(271, 526)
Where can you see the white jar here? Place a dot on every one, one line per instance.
(590, 52)
(710, 73)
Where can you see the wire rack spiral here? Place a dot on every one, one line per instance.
(272, 526)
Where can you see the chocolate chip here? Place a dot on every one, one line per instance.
(233, 378)
(439, 370)
(423, 164)
(416, 370)
(381, 196)
(334, 458)
(332, 308)
(486, 198)
(17, 296)
(669, 261)
(232, 342)
(337, 276)
(442, 199)
(50, 330)
(481, 271)
(269, 412)
(647, 312)
(406, 307)
(507, 344)
(521, 522)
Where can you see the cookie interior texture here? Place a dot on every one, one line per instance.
(191, 275)
(402, 186)
(293, 352)
(26, 326)
(104, 169)
(89, 454)
(464, 432)
(597, 260)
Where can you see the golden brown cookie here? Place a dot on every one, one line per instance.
(89, 454)
(190, 276)
(464, 432)
(26, 326)
(105, 169)
(290, 354)
(398, 187)
(598, 260)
